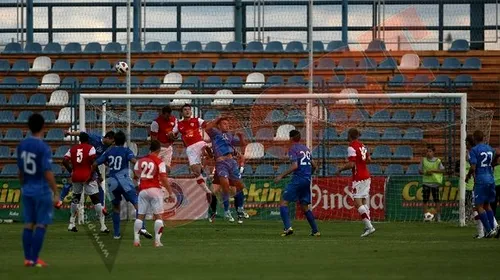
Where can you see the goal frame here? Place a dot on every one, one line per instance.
(308, 122)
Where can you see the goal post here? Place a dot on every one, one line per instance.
(308, 99)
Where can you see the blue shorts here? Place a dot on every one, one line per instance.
(130, 196)
(484, 194)
(122, 186)
(298, 190)
(228, 168)
(38, 209)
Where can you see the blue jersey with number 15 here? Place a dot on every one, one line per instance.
(117, 159)
(34, 157)
(300, 154)
(482, 157)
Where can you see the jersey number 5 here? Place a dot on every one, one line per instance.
(79, 155)
(147, 170)
(29, 164)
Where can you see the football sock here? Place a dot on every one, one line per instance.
(98, 210)
(158, 229)
(239, 200)
(311, 221)
(484, 219)
(491, 218)
(479, 225)
(27, 243)
(225, 202)
(143, 223)
(101, 195)
(495, 223)
(74, 211)
(116, 223)
(64, 191)
(285, 217)
(137, 227)
(364, 216)
(37, 242)
(201, 181)
(213, 204)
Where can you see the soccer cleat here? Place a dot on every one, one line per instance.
(477, 236)
(228, 216)
(40, 263)
(72, 228)
(117, 237)
(28, 263)
(240, 218)
(287, 232)
(105, 231)
(490, 234)
(137, 244)
(245, 215)
(315, 234)
(368, 231)
(145, 233)
(158, 244)
(211, 219)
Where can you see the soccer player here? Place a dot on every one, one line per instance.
(152, 173)
(161, 127)
(469, 190)
(78, 161)
(120, 184)
(38, 186)
(496, 175)
(481, 159)
(432, 170)
(226, 166)
(358, 157)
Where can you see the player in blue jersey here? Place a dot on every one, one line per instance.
(299, 188)
(38, 188)
(226, 166)
(120, 184)
(481, 158)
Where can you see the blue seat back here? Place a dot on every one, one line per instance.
(193, 46)
(173, 46)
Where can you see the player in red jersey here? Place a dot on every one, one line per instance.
(78, 161)
(152, 174)
(190, 129)
(358, 157)
(161, 128)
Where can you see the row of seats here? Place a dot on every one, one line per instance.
(196, 47)
(44, 63)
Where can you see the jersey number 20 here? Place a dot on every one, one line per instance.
(115, 162)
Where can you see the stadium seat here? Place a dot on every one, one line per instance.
(264, 65)
(410, 61)
(367, 63)
(282, 168)
(5, 152)
(338, 152)
(41, 64)
(90, 82)
(29, 83)
(4, 65)
(213, 46)
(135, 47)
(325, 63)
(337, 46)
(381, 116)
(203, 65)
(388, 64)
(138, 134)
(295, 116)
(331, 169)
(463, 80)
(21, 65)
(220, 102)
(357, 81)
(213, 82)
(285, 65)
(13, 48)
(472, 63)
(254, 151)
(330, 133)
(151, 82)
(13, 134)
(223, 65)
(182, 101)
(111, 82)
(57, 169)
(142, 65)
(337, 116)
(302, 64)
(73, 48)
(193, 46)
(444, 115)
(459, 46)
(413, 133)
(143, 151)
(211, 115)
(65, 115)
(61, 65)
(294, 47)
(265, 134)
(233, 47)
(55, 134)
(275, 116)
(9, 82)
(173, 47)
(69, 82)
(343, 135)
(392, 133)
(375, 169)
(254, 80)
(3, 99)
(296, 81)
(191, 82)
(274, 46)
(430, 63)
(403, 152)
(179, 170)
(441, 81)
(38, 99)
(318, 46)
(420, 80)
(7, 117)
(370, 134)
(254, 46)
(153, 47)
(33, 48)
(50, 81)
(113, 47)
(9, 170)
(161, 65)
(81, 65)
(101, 65)
(264, 170)
(346, 64)
(49, 116)
(381, 152)
(283, 132)
(91, 116)
(182, 65)
(148, 116)
(451, 63)
(92, 47)
(18, 99)
(398, 80)
(394, 169)
(23, 116)
(172, 80)
(336, 81)
(234, 82)
(275, 152)
(274, 81)
(423, 116)
(413, 169)
(244, 65)
(52, 48)
(320, 152)
(401, 116)
(376, 46)
(359, 116)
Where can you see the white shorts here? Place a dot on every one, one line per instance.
(90, 188)
(166, 155)
(194, 152)
(361, 189)
(150, 201)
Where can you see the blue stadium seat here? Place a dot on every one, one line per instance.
(346, 64)
(451, 63)
(296, 81)
(13, 134)
(394, 169)
(61, 65)
(191, 82)
(141, 65)
(318, 81)
(392, 133)
(55, 134)
(151, 82)
(18, 99)
(337, 116)
(113, 47)
(73, 48)
(234, 82)
(296, 116)
(142, 151)
(381, 116)
(302, 64)
(264, 170)
(57, 169)
(81, 65)
(233, 46)
(359, 116)
(282, 168)
(38, 99)
(330, 133)
(148, 116)
(23, 116)
(265, 133)
(91, 116)
(101, 65)
(388, 64)
(13, 48)
(403, 152)
(441, 81)
(285, 65)
(336, 81)
(460, 46)
(318, 46)
(9, 82)
(264, 65)
(337, 46)
(162, 65)
(247, 171)
(275, 116)
(413, 133)
(413, 169)
(52, 47)
(61, 151)
(223, 65)
(4, 152)
(214, 46)
(203, 65)
(211, 115)
(152, 47)
(370, 134)
(213, 82)
(90, 82)
(193, 46)
(423, 116)
(338, 152)
(430, 63)
(320, 152)
(244, 65)
(30, 82)
(420, 80)
(375, 169)
(3, 99)
(179, 170)
(376, 46)
(111, 82)
(139, 134)
(463, 80)
(93, 47)
(472, 63)
(9, 170)
(69, 82)
(381, 152)
(444, 115)
(401, 116)
(135, 47)
(325, 63)
(275, 152)
(331, 169)
(357, 81)
(173, 47)
(7, 117)
(275, 81)
(398, 80)
(274, 46)
(182, 65)
(254, 46)
(4, 65)
(33, 48)
(294, 47)
(367, 63)
(21, 65)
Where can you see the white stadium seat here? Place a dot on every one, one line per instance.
(50, 81)
(65, 115)
(42, 64)
(181, 101)
(283, 132)
(254, 151)
(58, 97)
(319, 113)
(172, 80)
(223, 101)
(255, 80)
(410, 61)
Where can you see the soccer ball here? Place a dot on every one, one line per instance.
(121, 67)
(428, 217)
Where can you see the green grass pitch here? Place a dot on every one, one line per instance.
(255, 250)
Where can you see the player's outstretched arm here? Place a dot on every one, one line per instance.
(211, 124)
(292, 168)
(67, 165)
(72, 133)
(165, 184)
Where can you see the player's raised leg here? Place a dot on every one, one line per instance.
(77, 194)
